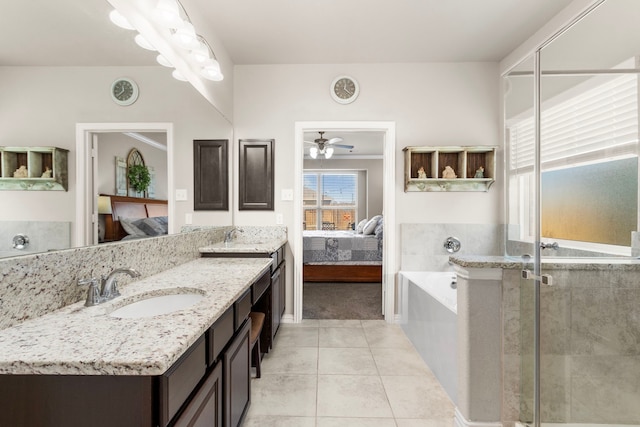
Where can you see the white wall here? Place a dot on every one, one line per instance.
(41, 106)
(432, 104)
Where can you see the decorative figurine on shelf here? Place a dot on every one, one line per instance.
(21, 172)
(421, 173)
(449, 173)
(479, 172)
(47, 172)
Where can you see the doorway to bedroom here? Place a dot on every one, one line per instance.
(342, 224)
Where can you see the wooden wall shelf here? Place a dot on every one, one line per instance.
(465, 161)
(37, 161)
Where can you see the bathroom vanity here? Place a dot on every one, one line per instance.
(82, 366)
(271, 298)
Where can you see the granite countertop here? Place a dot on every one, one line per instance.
(79, 340)
(612, 263)
(240, 246)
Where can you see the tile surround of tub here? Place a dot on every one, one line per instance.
(43, 236)
(422, 244)
(34, 285)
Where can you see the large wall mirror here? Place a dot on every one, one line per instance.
(49, 88)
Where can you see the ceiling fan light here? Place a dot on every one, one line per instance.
(328, 153)
(163, 61)
(143, 43)
(122, 22)
(167, 12)
(186, 37)
(313, 152)
(178, 76)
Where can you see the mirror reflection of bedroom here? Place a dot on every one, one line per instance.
(131, 185)
(342, 225)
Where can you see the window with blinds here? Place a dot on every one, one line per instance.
(330, 200)
(589, 143)
(598, 122)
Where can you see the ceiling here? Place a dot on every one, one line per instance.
(78, 33)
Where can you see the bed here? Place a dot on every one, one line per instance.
(135, 217)
(342, 255)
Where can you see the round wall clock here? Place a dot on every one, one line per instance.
(344, 89)
(124, 91)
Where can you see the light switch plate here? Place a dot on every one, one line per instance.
(181, 195)
(287, 194)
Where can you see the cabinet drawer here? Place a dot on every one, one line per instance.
(242, 308)
(181, 379)
(260, 286)
(219, 335)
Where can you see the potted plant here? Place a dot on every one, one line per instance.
(139, 177)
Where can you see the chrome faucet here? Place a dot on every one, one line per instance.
(110, 286)
(229, 234)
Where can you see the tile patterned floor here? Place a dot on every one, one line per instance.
(346, 373)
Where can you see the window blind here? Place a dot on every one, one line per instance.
(599, 120)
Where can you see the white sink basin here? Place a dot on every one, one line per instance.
(157, 305)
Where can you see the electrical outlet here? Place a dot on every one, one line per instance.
(181, 195)
(287, 194)
(188, 219)
(279, 219)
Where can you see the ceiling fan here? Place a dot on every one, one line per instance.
(325, 146)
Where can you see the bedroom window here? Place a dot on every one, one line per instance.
(330, 200)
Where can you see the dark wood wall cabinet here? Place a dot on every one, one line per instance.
(256, 174)
(210, 175)
(209, 385)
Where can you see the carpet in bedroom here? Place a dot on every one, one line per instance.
(361, 301)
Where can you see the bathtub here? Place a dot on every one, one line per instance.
(428, 316)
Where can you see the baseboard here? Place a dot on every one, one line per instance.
(460, 421)
(287, 318)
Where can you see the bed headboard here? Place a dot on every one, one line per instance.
(130, 207)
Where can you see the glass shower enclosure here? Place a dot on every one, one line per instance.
(571, 144)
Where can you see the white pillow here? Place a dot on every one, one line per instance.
(361, 225)
(370, 227)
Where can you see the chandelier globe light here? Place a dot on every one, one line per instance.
(185, 36)
(167, 12)
(143, 43)
(178, 76)
(194, 50)
(163, 61)
(122, 22)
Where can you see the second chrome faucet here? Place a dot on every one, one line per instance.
(109, 286)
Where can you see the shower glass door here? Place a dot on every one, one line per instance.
(589, 330)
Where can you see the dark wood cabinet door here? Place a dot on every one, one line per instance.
(210, 175)
(256, 175)
(237, 377)
(276, 283)
(205, 409)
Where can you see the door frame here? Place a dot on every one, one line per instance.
(388, 210)
(86, 188)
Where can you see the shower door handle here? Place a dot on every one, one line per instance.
(545, 279)
(553, 246)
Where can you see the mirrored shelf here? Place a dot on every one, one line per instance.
(34, 168)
